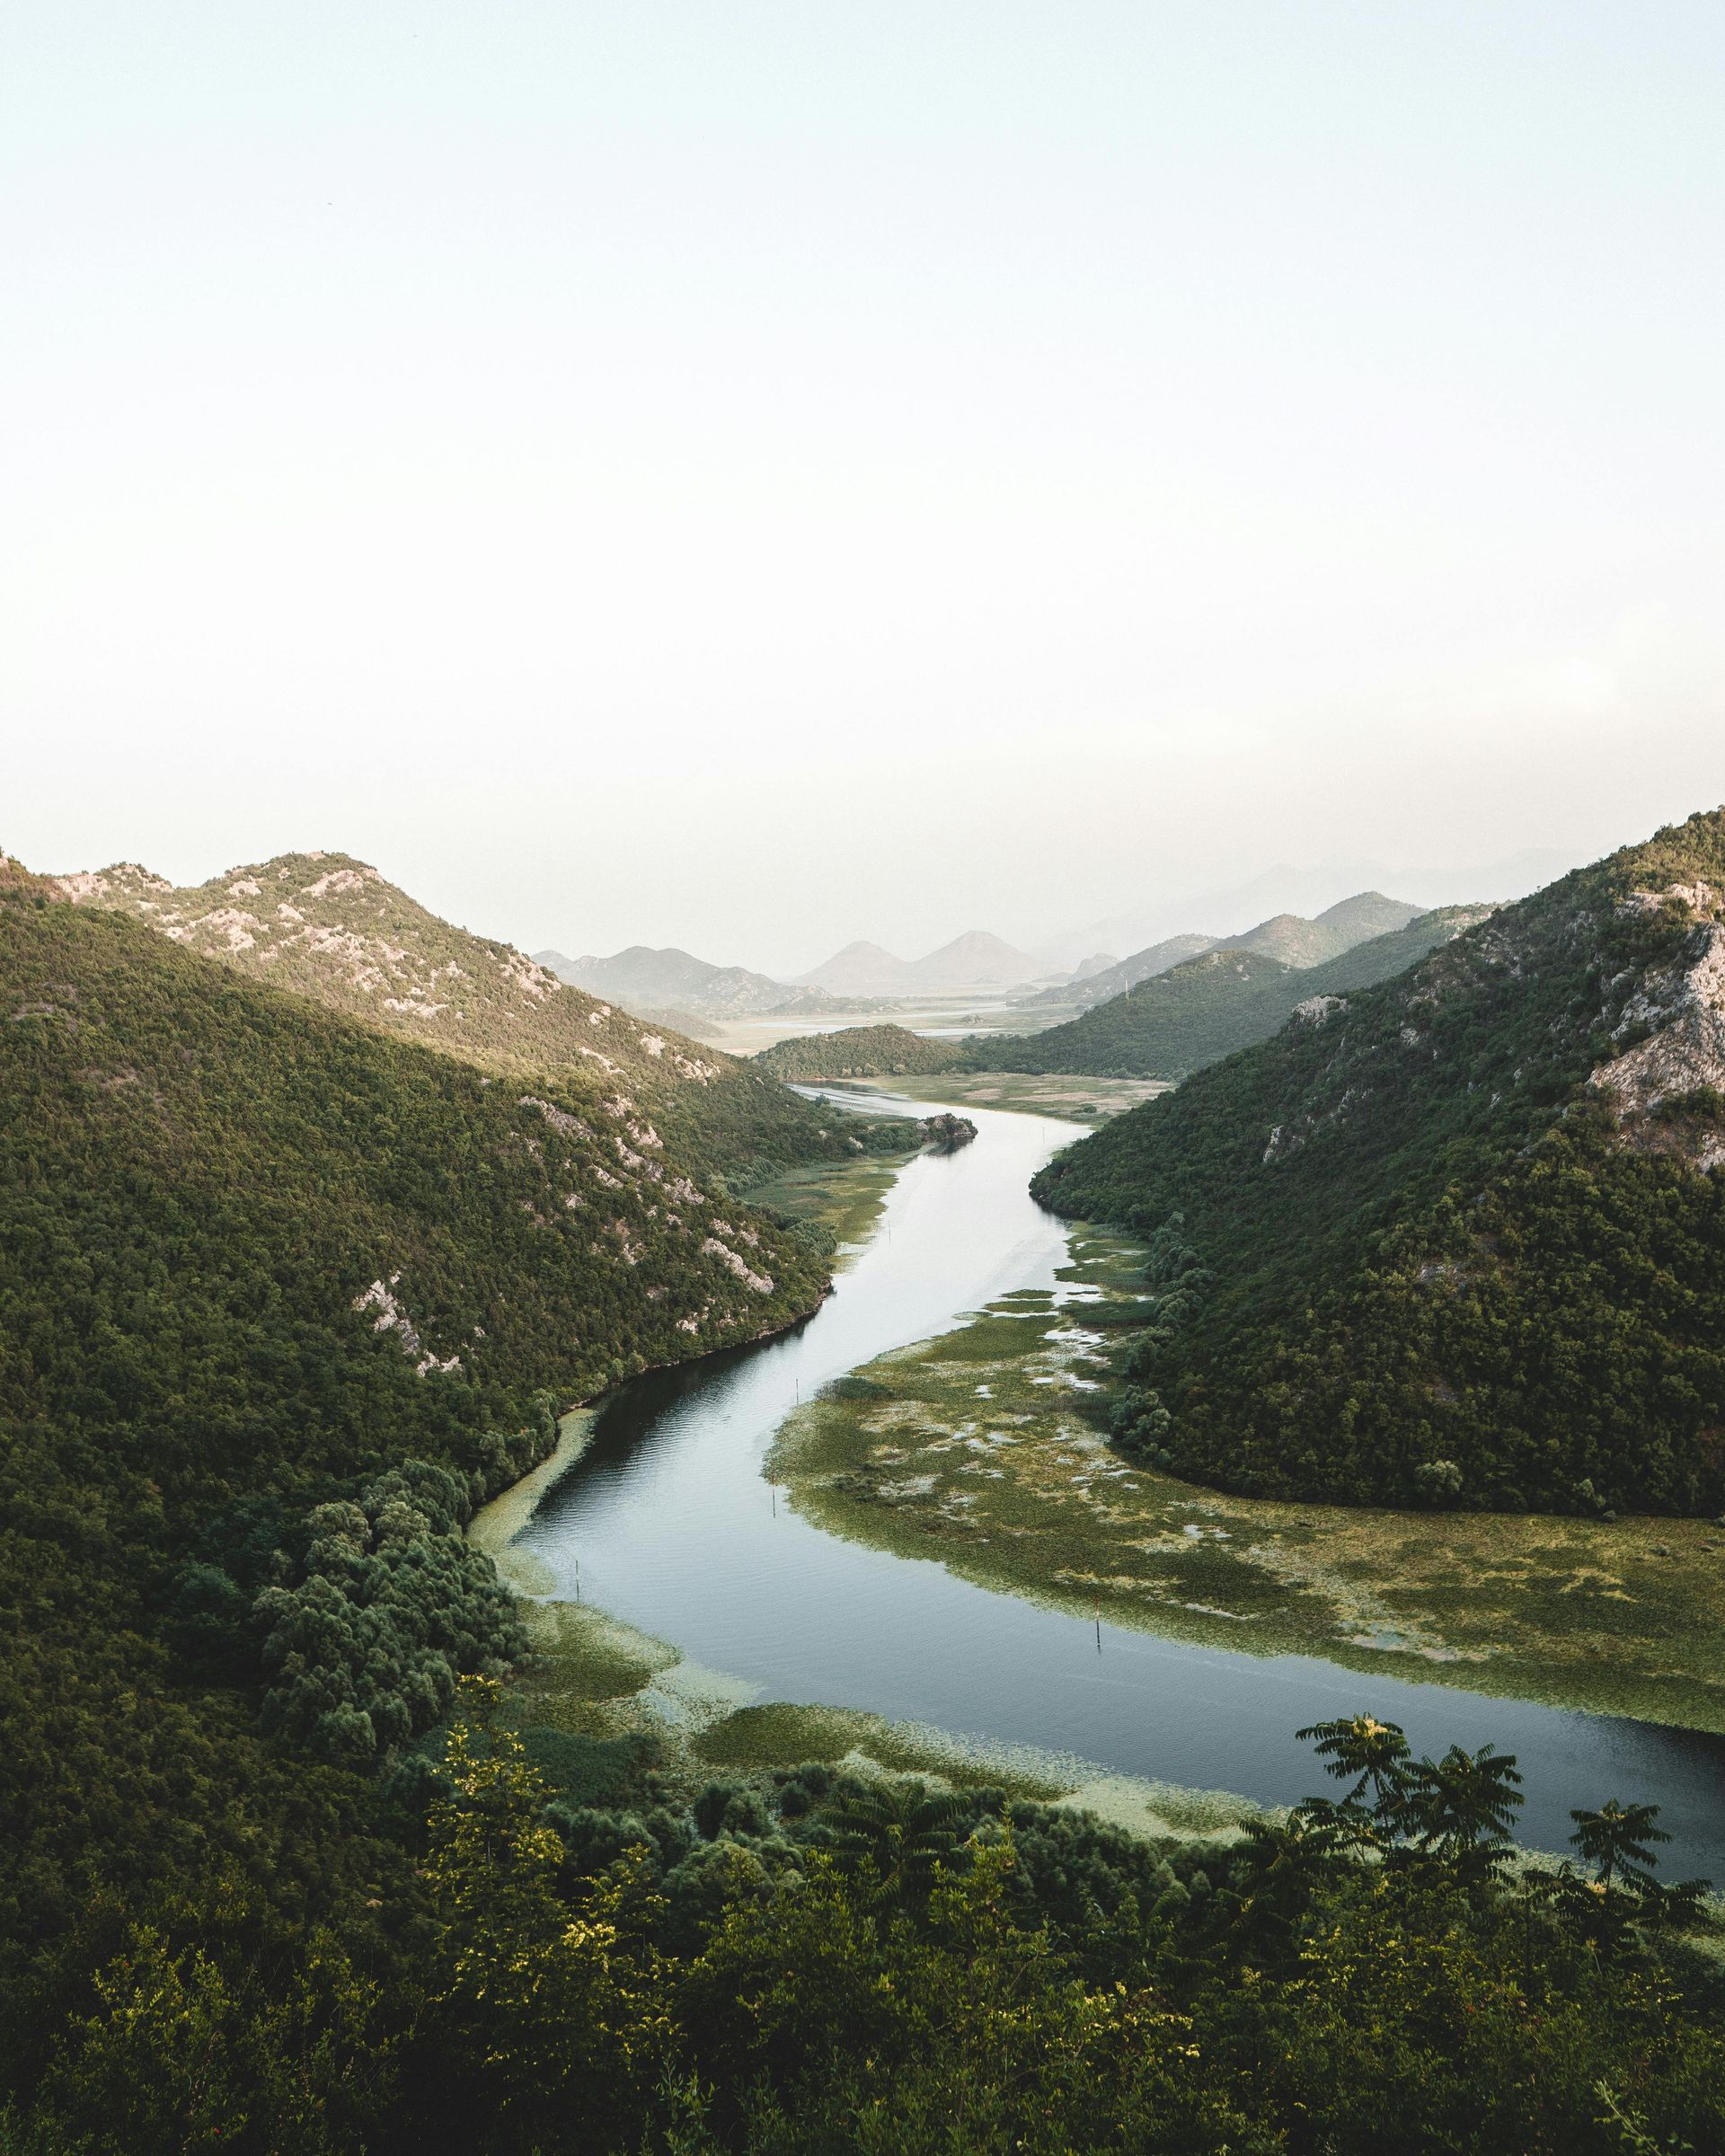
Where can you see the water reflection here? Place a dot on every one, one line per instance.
(676, 1532)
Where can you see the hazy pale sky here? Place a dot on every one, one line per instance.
(753, 474)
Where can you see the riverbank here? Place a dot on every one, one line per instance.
(843, 1196)
(593, 1677)
(984, 1448)
(597, 1678)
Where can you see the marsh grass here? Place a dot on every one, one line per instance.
(987, 1448)
(843, 1196)
(585, 1672)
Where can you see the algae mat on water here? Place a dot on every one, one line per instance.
(986, 1448)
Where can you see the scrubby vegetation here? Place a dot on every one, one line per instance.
(582, 1955)
(331, 928)
(1457, 1240)
(860, 1052)
(1179, 1021)
(257, 1260)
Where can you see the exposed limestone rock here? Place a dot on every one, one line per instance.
(1685, 1053)
(712, 1247)
(391, 1317)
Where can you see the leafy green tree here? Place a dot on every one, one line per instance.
(1461, 1808)
(1617, 1841)
(537, 2017)
(899, 1834)
(1373, 1755)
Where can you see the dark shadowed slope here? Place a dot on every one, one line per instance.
(1458, 1239)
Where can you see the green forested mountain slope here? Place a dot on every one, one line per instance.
(1177, 1022)
(330, 928)
(252, 1256)
(240, 1911)
(859, 1052)
(156, 1103)
(1457, 1239)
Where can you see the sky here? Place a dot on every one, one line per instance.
(749, 474)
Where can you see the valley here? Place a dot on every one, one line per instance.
(992, 1611)
(809, 1456)
(904, 1333)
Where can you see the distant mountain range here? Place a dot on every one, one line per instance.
(1309, 892)
(1228, 997)
(647, 980)
(1297, 942)
(976, 959)
(863, 977)
(1288, 938)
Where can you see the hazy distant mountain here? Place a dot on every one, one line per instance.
(1226, 998)
(973, 960)
(860, 969)
(1289, 939)
(641, 978)
(1099, 961)
(1297, 942)
(1232, 909)
(1124, 973)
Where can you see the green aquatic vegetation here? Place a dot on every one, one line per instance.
(582, 1667)
(1049, 1094)
(980, 1447)
(842, 1198)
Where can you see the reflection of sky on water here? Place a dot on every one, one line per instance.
(676, 1532)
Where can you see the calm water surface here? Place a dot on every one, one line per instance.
(676, 1531)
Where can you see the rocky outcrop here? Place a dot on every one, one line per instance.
(1673, 1029)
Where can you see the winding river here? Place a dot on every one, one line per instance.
(673, 1529)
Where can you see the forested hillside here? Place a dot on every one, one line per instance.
(1299, 942)
(330, 928)
(258, 1259)
(1177, 1022)
(1290, 937)
(274, 1877)
(860, 1052)
(1458, 1239)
